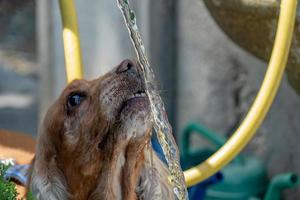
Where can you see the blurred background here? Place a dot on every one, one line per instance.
(203, 76)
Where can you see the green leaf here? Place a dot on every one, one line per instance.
(8, 189)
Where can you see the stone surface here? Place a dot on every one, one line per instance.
(253, 27)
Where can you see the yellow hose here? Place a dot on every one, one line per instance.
(71, 40)
(261, 104)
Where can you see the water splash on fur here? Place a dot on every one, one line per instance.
(161, 124)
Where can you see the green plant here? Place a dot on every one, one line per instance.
(8, 189)
(30, 196)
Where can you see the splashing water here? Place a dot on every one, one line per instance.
(161, 123)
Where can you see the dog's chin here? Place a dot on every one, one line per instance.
(135, 116)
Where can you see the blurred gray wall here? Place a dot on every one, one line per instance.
(18, 77)
(203, 76)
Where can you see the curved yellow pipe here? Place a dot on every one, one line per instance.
(71, 40)
(261, 104)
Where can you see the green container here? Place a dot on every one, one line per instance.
(241, 181)
(244, 178)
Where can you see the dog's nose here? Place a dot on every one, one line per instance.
(125, 66)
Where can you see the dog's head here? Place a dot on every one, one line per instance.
(93, 126)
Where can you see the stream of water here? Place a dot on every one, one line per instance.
(162, 126)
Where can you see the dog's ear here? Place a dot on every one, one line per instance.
(47, 182)
(153, 182)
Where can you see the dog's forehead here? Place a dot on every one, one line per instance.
(77, 85)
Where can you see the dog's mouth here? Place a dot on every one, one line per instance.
(136, 95)
(138, 101)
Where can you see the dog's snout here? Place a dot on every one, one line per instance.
(126, 66)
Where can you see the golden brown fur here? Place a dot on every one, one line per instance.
(98, 149)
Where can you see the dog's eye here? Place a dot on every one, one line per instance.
(75, 99)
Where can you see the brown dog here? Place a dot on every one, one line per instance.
(93, 143)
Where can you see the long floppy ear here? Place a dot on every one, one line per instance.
(47, 182)
(153, 182)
